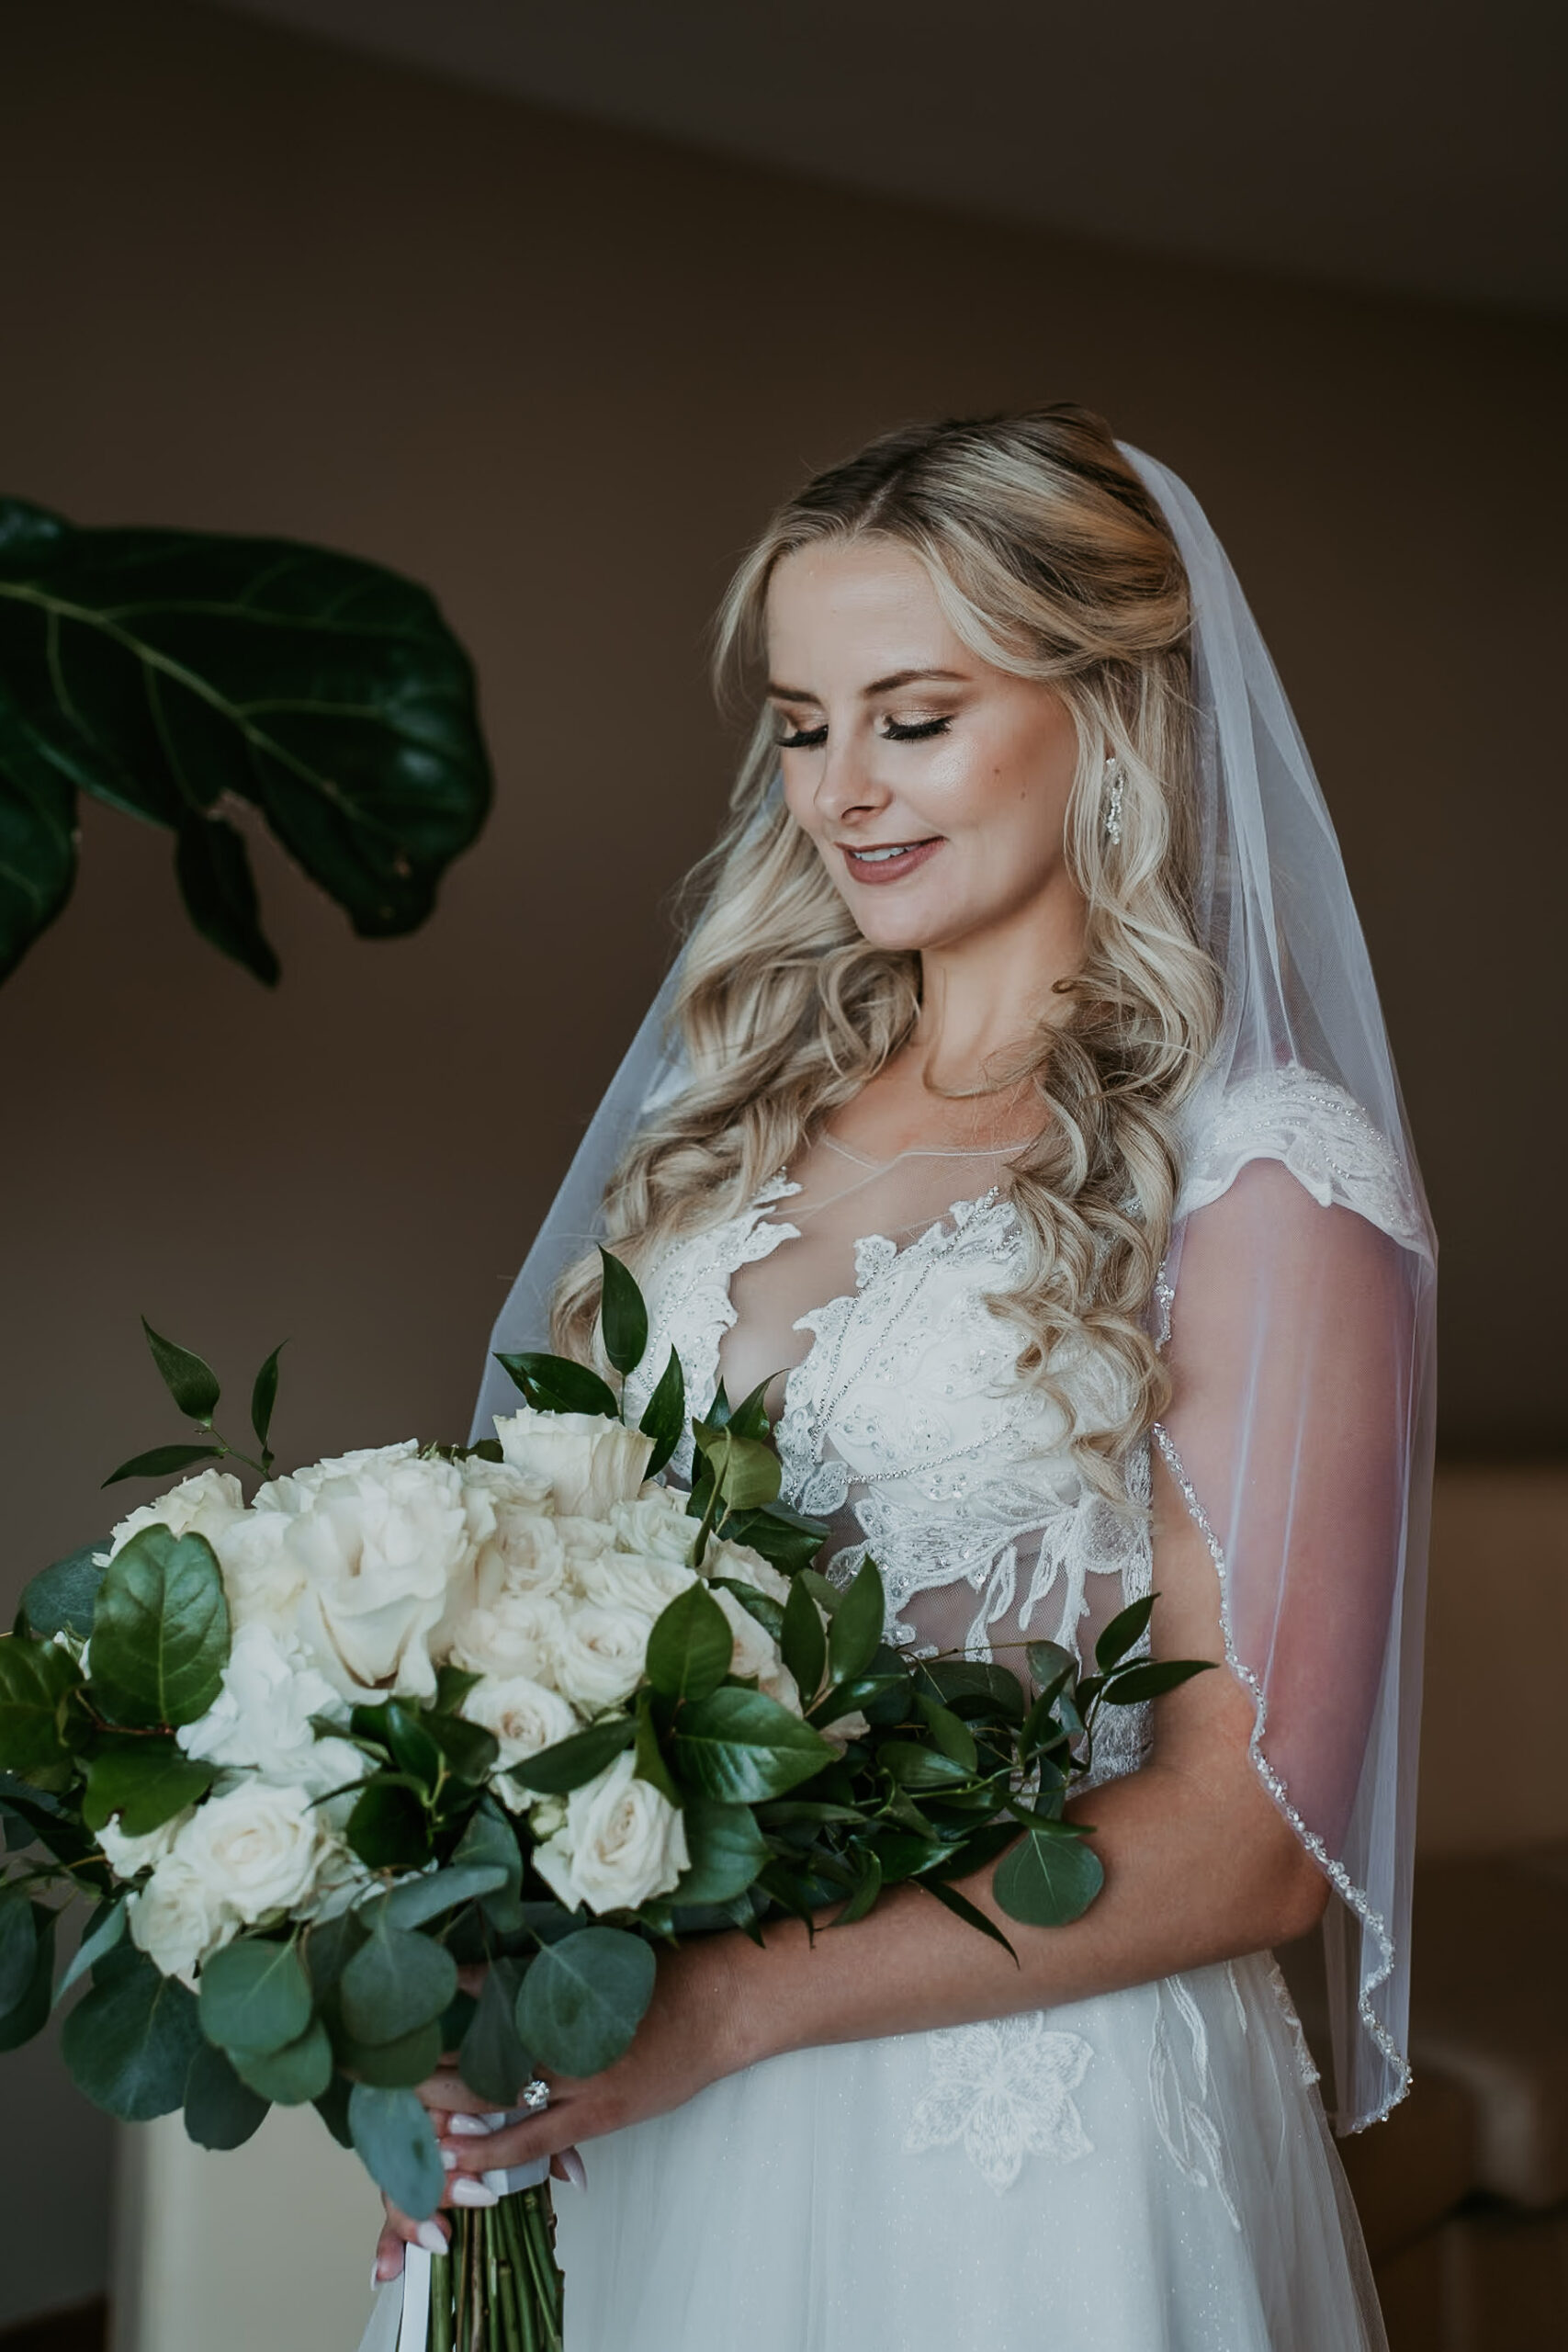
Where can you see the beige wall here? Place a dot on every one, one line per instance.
(559, 374)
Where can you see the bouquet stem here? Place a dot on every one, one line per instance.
(499, 2290)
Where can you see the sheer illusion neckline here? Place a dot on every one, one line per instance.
(926, 1151)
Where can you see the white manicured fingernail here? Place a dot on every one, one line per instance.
(571, 2164)
(468, 2127)
(430, 2235)
(448, 2161)
(380, 2277)
(473, 2192)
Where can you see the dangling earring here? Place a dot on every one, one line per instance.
(1110, 784)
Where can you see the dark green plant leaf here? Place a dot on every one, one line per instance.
(557, 1770)
(191, 1383)
(760, 1605)
(393, 2065)
(35, 1679)
(263, 1395)
(690, 1647)
(18, 1948)
(1051, 1665)
(583, 1998)
(855, 1634)
(30, 2013)
(395, 1983)
(648, 1763)
(1046, 1880)
(418, 1899)
(161, 1630)
(557, 1385)
(453, 1684)
(106, 1930)
(255, 1995)
(61, 1598)
(212, 867)
(491, 2059)
(332, 2108)
(53, 1828)
(328, 1947)
(727, 1852)
(489, 1843)
(403, 1729)
(920, 1768)
(162, 671)
(746, 1470)
(962, 1908)
(1124, 1632)
(468, 1750)
(789, 1538)
(867, 1887)
(1134, 1684)
(145, 1781)
(664, 1416)
(221, 2110)
(395, 2140)
(951, 1733)
(803, 1643)
(739, 1747)
(623, 1317)
(129, 2042)
(162, 1462)
(389, 1828)
(293, 2076)
(750, 1419)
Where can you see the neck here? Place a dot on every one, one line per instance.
(982, 999)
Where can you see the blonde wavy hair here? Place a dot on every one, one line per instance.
(1052, 561)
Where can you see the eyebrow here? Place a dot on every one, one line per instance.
(877, 686)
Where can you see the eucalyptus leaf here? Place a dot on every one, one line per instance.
(1047, 1882)
(221, 2111)
(489, 1843)
(393, 2065)
(491, 2060)
(161, 1630)
(396, 1982)
(622, 1317)
(427, 1897)
(190, 1382)
(397, 2144)
(255, 1995)
(106, 1929)
(129, 2042)
(293, 2076)
(583, 1998)
(739, 1747)
(164, 671)
(61, 1598)
(332, 2108)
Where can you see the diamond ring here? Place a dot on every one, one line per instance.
(535, 2096)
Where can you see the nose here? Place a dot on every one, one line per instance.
(847, 784)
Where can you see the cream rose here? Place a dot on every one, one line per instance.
(590, 1461)
(525, 1717)
(127, 1856)
(381, 1540)
(204, 1505)
(657, 1524)
(510, 1521)
(630, 1580)
(261, 1718)
(520, 1633)
(742, 1565)
(599, 1659)
(756, 1654)
(622, 1843)
(256, 1850)
(178, 1918)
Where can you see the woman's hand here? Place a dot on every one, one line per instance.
(686, 2040)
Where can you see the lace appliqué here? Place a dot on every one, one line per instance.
(1306, 2064)
(1320, 1133)
(1002, 2091)
(1179, 2089)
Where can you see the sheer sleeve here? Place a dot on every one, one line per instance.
(1297, 1336)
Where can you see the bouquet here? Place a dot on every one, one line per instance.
(520, 1709)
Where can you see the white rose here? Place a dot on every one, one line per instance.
(525, 1717)
(627, 1580)
(261, 1718)
(519, 1634)
(756, 1654)
(256, 1850)
(200, 1506)
(177, 1919)
(381, 1539)
(621, 1843)
(263, 1579)
(519, 1547)
(599, 1659)
(742, 1565)
(657, 1524)
(127, 1856)
(590, 1461)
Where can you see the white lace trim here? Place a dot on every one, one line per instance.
(1338, 1877)
(1320, 1133)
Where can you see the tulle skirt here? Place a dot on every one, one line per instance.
(1149, 2171)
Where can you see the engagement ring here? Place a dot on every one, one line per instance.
(535, 2096)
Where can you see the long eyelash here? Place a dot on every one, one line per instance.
(914, 734)
(802, 742)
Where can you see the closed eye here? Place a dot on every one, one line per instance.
(803, 739)
(916, 731)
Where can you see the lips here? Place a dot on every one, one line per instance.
(875, 862)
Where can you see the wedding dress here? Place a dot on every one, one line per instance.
(1148, 2168)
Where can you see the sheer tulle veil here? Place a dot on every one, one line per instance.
(1291, 1336)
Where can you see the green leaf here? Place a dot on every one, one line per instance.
(760, 1605)
(128, 2044)
(35, 1679)
(920, 1768)
(468, 1750)
(162, 1460)
(145, 1781)
(491, 2060)
(190, 1382)
(393, 2065)
(750, 1419)
(649, 1763)
(293, 2076)
(263, 1395)
(395, 1983)
(690, 1647)
(164, 671)
(29, 2013)
(1124, 1632)
(622, 1317)
(1134, 1684)
(951, 1733)
(389, 1828)
(212, 867)
(61, 1598)
(788, 1538)
(855, 1634)
(18, 1948)
(583, 1998)
(453, 1684)
(1046, 1880)
(160, 1631)
(739, 1747)
(403, 1729)
(332, 2108)
(221, 2110)
(727, 1852)
(974, 1689)
(418, 1899)
(106, 1929)
(1050, 1664)
(557, 1385)
(254, 1995)
(489, 1843)
(397, 2145)
(962, 1908)
(803, 1643)
(867, 1887)
(555, 1771)
(747, 1470)
(664, 1416)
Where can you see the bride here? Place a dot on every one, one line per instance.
(1021, 1112)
